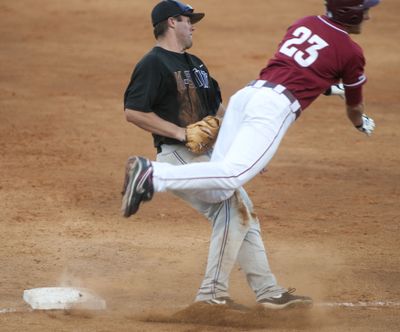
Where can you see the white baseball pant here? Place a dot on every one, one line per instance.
(254, 124)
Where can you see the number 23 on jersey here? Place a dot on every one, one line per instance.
(303, 35)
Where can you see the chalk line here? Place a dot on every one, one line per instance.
(359, 304)
(7, 310)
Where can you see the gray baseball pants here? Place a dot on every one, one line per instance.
(235, 237)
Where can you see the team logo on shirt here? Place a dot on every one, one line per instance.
(201, 78)
(194, 78)
(190, 105)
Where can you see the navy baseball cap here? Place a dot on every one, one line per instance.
(370, 3)
(171, 8)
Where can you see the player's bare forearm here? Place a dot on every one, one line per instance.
(354, 113)
(221, 111)
(151, 122)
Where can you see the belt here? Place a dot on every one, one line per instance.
(280, 89)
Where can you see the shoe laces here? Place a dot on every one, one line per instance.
(289, 291)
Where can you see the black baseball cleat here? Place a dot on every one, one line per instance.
(287, 300)
(139, 185)
(228, 302)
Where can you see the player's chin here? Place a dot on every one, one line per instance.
(189, 43)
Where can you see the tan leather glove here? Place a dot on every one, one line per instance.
(201, 135)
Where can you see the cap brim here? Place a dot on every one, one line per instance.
(194, 17)
(370, 3)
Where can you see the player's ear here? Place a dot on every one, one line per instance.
(171, 22)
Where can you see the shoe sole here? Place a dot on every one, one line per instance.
(129, 207)
(290, 304)
(128, 166)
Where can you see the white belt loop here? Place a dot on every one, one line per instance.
(259, 83)
(279, 88)
(295, 106)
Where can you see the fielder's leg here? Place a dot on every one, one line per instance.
(226, 237)
(232, 234)
(252, 258)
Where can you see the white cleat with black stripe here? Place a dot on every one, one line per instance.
(287, 300)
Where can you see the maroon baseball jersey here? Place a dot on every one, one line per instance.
(314, 54)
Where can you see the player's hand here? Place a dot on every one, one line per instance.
(367, 126)
(336, 90)
(201, 135)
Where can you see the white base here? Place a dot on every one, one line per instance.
(50, 298)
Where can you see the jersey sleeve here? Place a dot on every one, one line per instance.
(353, 73)
(354, 77)
(143, 89)
(215, 95)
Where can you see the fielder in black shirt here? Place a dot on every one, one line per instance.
(169, 90)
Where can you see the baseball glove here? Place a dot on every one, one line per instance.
(201, 135)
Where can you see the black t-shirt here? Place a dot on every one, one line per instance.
(175, 86)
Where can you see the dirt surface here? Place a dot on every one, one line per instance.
(329, 204)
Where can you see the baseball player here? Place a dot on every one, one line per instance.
(170, 90)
